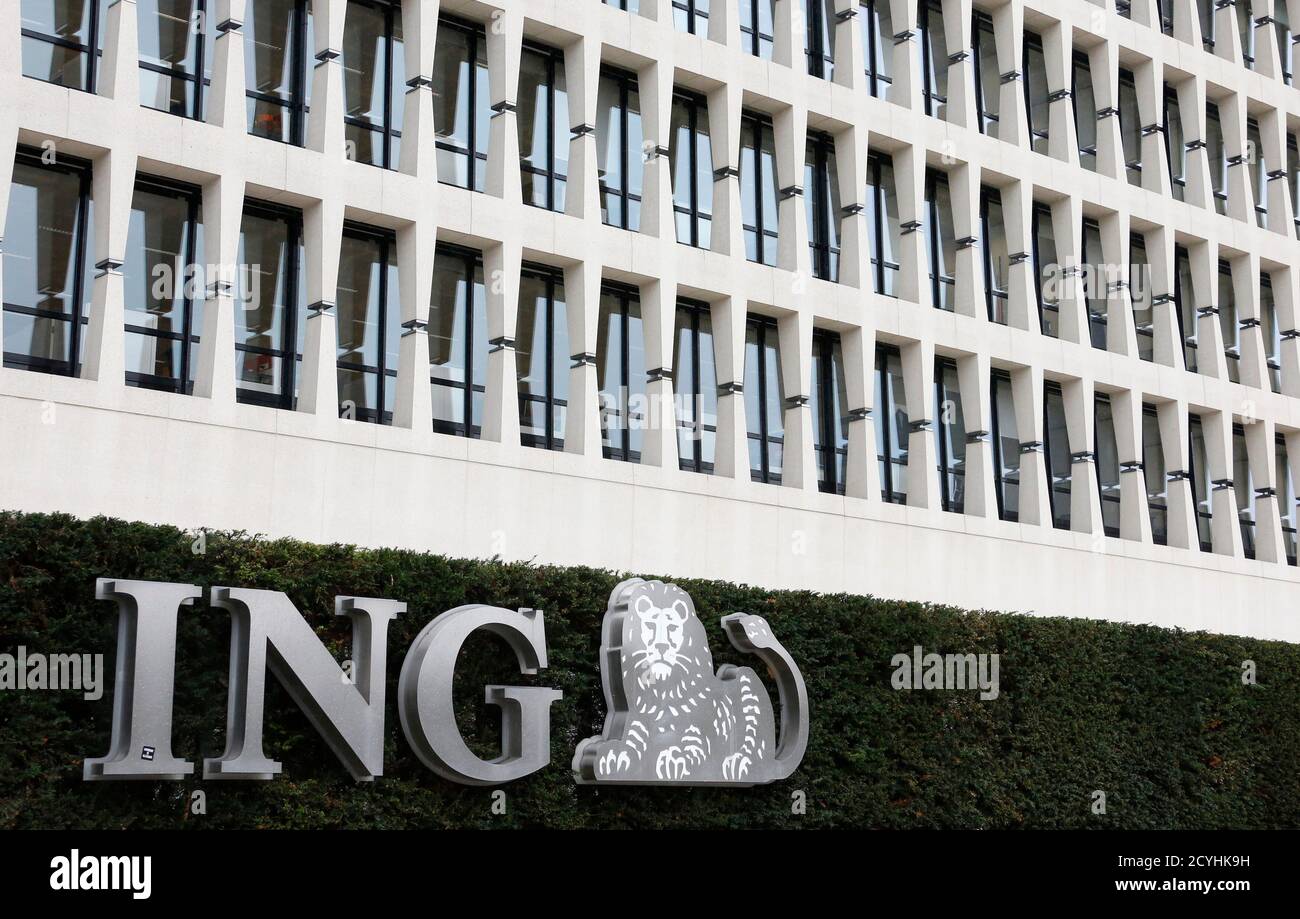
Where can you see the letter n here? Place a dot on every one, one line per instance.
(141, 747)
(268, 632)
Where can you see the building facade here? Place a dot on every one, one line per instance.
(989, 303)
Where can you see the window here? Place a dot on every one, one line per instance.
(461, 104)
(1286, 499)
(175, 39)
(695, 382)
(1185, 306)
(758, 205)
(47, 264)
(763, 400)
(1293, 177)
(627, 6)
(1243, 484)
(368, 319)
(1056, 446)
(1217, 157)
(1130, 127)
(1282, 28)
(874, 19)
(819, 43)
(1205, 12)
(692, 167)
(458, 344)
(892, 426)
(543, 358)
(374, 72)
(988, 79)
(691, 16)
(1093, 266)
(1199, 475)
(1106, 461)
(618, 149)
(1175, 144)
(164, 295)
(269, 326)
(1154, 470)
(1228, 321)
(822, 198)
(941, 241)
(883, 223)
(61, 40)
(952, 436)
(1258, 166)
(830, 406)
(1246, 29)
(277, 43)
(1085, 111)
(756, 35)
(621, 373)
(934, 57)
(1038, 99)
(1165, 10)
(1139, 288)
(993, 232)
(1271, 332)
(1046, 270)
(543, 127)
(1006, 447)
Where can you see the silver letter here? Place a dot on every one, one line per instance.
(268, 631)
(141, 747)
(424, 697)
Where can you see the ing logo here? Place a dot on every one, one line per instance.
(671, 720)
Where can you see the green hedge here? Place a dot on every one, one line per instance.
(1158, 719)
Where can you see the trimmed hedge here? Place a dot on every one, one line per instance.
(1158, 719)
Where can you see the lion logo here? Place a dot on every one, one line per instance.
(670, 719)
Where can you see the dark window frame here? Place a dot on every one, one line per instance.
(553, 438)
(622, 452)
(885, 422)
(472, 263)
(879, 73)
(475, 160)
(948, 472)
(765, 327)
(993, 296)
(184, 383)
(1053, 388)
(199, 81)
(625, 81)
(693, 103)
(694, 309)
(982, 24)
(1003, 479)
(382, 372)
(288, 350)
(93, 52)
(79, 318)
(550, 176)
(825, 254)
(930, 96)
(828, 426)
(753, 125)
(880, 266)
(296, 105)
(1103, 498)
(386, 133)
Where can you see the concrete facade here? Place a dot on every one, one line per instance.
(92, 445)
